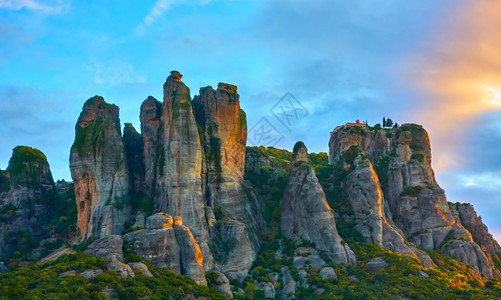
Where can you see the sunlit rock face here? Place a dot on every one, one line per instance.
(168, 245)
(99, 170)
(399, 160)
(224, 134)
(305, 212)
(27, 194)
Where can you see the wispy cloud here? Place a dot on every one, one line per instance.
(56, 6)
(157, 11)
(160, 7)
(115, 74)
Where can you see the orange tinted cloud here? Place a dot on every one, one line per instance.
(458, 74)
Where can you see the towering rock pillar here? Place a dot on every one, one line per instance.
(151, 110)
(305, 212)
(230, 201)
(99, 170)
(180, 160)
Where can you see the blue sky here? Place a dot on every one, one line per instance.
(434, 63)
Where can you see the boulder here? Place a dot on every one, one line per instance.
(140, 267)
(159, 221)
(108, 247)
(91, 273)
(123, 270)
(328, 273)
(268, 288)
(375, 265)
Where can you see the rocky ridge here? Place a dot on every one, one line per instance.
(404, 185)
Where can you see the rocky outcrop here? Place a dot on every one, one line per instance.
(28, 196)
(151, 110)
(107, 247)
(134, 147)
(168, 244)
(123, 270)
(305, 212)
(466, 215)
(364, 194)
(99, 170)
(398, 163)
(139, 267)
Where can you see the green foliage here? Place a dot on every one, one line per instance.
(92, 136)
(242, 118)
(297, 146)
(4, 181)
(418, 156)
(269, 184)
(381, 169)
(412, 191)
(349, 155)
(320, 159)
(44, 282)
(142, 202)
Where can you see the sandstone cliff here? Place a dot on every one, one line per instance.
(99, 170)
(415, 202)
(306, 214)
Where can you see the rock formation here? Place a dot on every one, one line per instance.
(224, 135)
(99, 170)
(28, 195)
(134, 147)
(180, 161)
(466, 215)
(168, 245)
(188, 162)
(151, 110)
(305, 212)
(402, 176)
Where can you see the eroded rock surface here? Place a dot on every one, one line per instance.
(167, 245)
(404, 192)
(99, 170)
(305, 212)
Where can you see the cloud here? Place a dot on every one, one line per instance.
(115, 74)
(157, 11)
(56, 6)
(456, 75)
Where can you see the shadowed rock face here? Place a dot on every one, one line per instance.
(224, 134)
(151, 110)
(403, 176)
(27, 189)
(168, 245)
(305, 212)
(134, 148)
(99, 170)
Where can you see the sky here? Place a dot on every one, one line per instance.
(435, 63)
